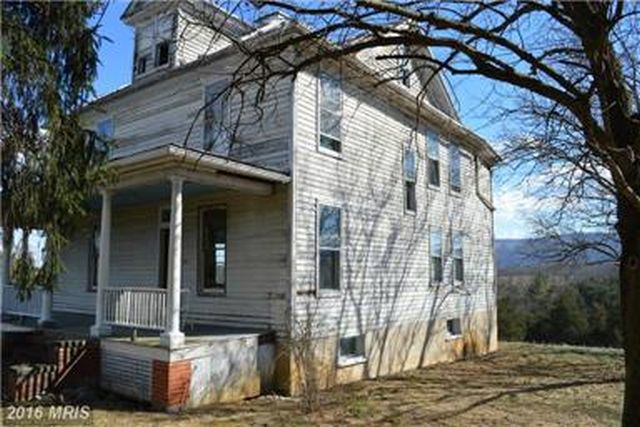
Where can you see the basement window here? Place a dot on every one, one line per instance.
(351, 350)
(454, 328)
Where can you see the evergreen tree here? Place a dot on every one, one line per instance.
(50, 164)
(567, 321)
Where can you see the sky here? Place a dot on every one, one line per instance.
(475, 97)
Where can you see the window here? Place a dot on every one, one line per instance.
(454, 168)
(458, 264)
(410, 179)
(162, 53)
(436, 255)
(433, 158)
(330, 113)
(329, 247)
(217, 137)
(141, 64)
(213, 250)
(104, 134)
(403, 69)
(94, 254)
(352, 348)
(454, 328)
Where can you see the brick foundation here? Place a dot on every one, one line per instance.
(170, 384)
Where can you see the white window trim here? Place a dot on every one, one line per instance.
(428, 158)
(322, 292)
(432, 282)
(345, 361)
(228, 112)
(201, 291)
(457, 283)
(415, 180)
(453, 192)
(319, 147)
(449, 335)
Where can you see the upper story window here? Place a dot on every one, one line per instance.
(329, 242)
(433, 158)
(455, 179)
(330, 113)
(104, 129)
(217, 137)
(162, 53)
(458, 259)
(436, 255)
(153, 44)
(410, 179)
(403, 68)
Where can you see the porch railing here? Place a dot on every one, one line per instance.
(136, 307)
(11, 303)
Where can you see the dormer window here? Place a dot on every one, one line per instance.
(162, 53)
(153, 44)
(141, 66)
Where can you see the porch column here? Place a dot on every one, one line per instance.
(47, 306)
(172, 336)
(100, 328)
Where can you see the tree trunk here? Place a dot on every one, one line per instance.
(629, 231)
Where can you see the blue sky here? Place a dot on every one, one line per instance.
(475, 97)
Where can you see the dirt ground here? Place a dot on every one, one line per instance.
(522, 384)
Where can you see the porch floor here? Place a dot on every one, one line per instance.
(76, 326)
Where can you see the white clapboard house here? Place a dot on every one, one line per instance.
(349, 210)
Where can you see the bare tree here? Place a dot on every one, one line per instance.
(575, 65)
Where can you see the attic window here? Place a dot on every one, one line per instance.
(141, 65)
(162, 53)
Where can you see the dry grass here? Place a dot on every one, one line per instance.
(522, 384)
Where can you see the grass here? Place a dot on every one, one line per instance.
(522, 384)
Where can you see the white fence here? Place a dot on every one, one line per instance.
(11, 303)
(136, 307)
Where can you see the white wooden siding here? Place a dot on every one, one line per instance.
(163, 113)
(385, 257)
(194, 39)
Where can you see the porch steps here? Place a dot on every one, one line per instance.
(67, 362)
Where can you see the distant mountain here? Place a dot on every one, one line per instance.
(528, 254)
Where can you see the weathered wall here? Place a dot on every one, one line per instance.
(385, 250)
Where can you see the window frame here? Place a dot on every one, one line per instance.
(360, 354)
(225, 108)
(407, 181)
(201, 290)
(455, 148)
(451, 328)
(433, 136)
(319, 108)
(454, 257)
(156, 53)
(432, 279)
(320, 291)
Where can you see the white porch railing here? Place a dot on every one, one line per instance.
(136, 307)
(11, 303)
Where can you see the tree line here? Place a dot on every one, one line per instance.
(551, 310)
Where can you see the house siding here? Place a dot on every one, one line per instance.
(170, 112)
(257, 268)
(385, 251)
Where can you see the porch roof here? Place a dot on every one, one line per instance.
(159, 163)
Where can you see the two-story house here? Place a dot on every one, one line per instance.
(344, 211)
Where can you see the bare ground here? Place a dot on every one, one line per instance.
(522, 384)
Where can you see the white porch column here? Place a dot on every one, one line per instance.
(172, 337)
(99, 328)
(47, 307)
